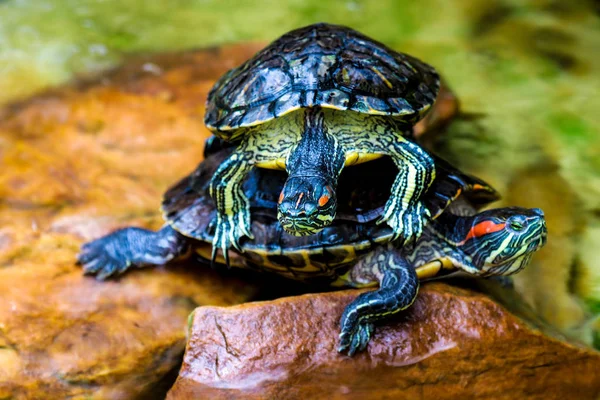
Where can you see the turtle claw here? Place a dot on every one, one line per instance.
(93, 266)
(408, 223)
(355, 338)
(100, 257)
(229, 230)
(111, 270)
(224, 238)
(115, 253)
(220, 242)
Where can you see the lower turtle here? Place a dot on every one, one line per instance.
(354, 251)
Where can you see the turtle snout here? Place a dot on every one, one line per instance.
(298, 198)
(310, 208)
(295, 208)
(538, 212)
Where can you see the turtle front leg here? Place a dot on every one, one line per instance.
(404, 212)
(233, 207)
(115, 253)
(398, 289)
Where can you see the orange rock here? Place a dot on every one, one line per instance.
(453, 343)
(77, 163)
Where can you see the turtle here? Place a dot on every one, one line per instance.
(318, 99)
(353, 251)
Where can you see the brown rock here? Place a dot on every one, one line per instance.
(453, 343)
(77, 163)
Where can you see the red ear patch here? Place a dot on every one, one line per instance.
(325, 197)
(280, 197)
(323, 200)
(483, 228)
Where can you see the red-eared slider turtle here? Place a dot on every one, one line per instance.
(315, 100)
(495, 242)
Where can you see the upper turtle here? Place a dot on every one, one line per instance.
(316, 100)
(324, 65)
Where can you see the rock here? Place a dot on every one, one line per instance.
(76, 163)
(453, 343)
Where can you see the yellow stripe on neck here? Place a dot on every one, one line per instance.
(352, 158)
(433, 268)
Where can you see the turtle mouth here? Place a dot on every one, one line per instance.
(303, 226)
(521, 256)
(530, 246)
(532, 243)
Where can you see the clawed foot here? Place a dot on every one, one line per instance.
(354, 337)
(114, 254)
(407, 223)
(229, 230)
(106, 256)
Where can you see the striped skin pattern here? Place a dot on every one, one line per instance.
(329, 67)
(316, 156)
(491, 243)
(496, 242)
(308, 200)
(233, 218)
(502, 244)
(399, 285)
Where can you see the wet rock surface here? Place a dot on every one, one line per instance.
(77, 163)
(453, 343)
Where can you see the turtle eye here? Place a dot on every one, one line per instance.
(517, 224)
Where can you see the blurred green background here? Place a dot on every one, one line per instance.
(527, 74)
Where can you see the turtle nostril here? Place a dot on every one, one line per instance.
(285, 207)
(538, 211)
(310, 208)
(288, 209)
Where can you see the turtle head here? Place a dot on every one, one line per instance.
(306, 205)
(308, 202)
(501, 241)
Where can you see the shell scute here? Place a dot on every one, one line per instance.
(322, 65)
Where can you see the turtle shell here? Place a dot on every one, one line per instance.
(190, 210)
(322, 65)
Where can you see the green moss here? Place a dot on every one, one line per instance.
(572, 129)
(596, 340)
(190, 323)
